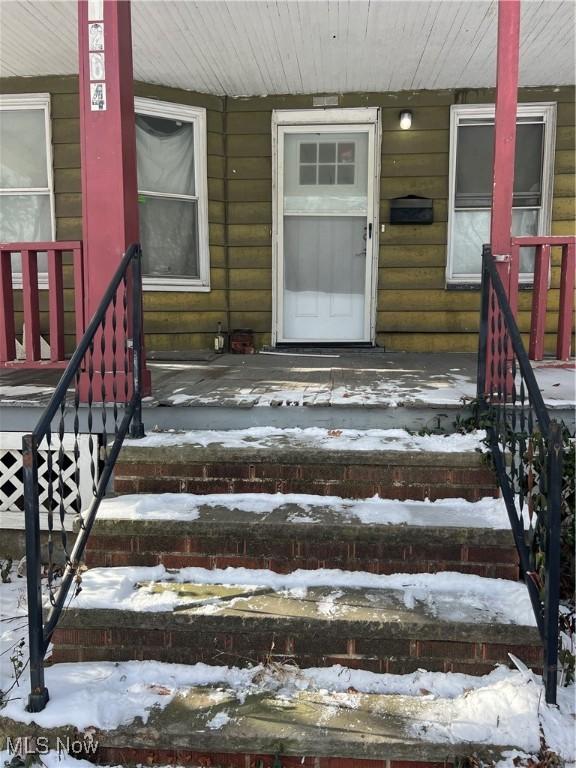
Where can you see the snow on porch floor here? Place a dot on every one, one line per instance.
(339, 379)
(335, 378)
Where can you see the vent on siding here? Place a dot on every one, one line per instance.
(324, 101)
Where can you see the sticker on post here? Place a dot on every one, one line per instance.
(97, 97)
(95, 10)
(97, 71)
(96, 37)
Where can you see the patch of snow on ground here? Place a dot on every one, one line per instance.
(13, 631)
(486, 513)
(218, 721)
(447, 595)
(142, 506)
(557, 383)
(317, 438)
(24, 389)
(328, 606)
(55, 759)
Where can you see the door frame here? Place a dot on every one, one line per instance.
(361, 116)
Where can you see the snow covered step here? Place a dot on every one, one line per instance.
(287, 532)
(153, 714)
(396, 623)
(343, 462)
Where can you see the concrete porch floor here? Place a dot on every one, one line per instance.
(361, 389)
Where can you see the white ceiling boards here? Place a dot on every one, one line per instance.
(258, 47)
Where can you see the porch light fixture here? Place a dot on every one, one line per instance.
(405, 119)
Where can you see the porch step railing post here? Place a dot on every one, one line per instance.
(123, 294)
(527, 450)
(566, 308)
(539, 301)
(7, 328)
(137, 427)
(482, 389)
(38, 691)
(552, 565)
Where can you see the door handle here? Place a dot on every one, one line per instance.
(370, 231)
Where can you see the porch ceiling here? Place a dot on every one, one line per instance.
(316, 46)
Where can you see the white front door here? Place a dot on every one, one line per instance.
(325, 228)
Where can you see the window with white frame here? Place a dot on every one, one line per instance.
(26, 186)
(470, 196)
(172, 195)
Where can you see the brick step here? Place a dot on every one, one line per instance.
(284, 534)
(291, 465)
(274, 716)
(256, 759)
(392, 624)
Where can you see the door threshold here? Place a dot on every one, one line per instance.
(315, 347)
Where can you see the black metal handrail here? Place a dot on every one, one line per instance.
(107, 362)
(526, 448)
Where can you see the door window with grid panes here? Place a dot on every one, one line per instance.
(327, 163)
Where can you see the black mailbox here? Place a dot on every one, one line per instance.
(411, 209)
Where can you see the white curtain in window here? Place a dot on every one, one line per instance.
(472, 230)
(22, 149)
(165, 150)
(168, 225)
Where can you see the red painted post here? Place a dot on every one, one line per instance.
(31, 304)
(56, 304)
(108, 150)
(539, 302)
(505, 133)
(566, 308)
(7, 329)
(514, 277)
(504, 151)
(79, 293)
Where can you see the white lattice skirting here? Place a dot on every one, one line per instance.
(11, 484)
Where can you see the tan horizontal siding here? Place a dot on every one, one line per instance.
(250, 279)
(251, 190)
(250, 145)
(65, 130)
(250, 256)
(182, 301)
(415, 142)
(408, 300)
(435, 187)
(257, 321)
(414, 256)
(431, 278)
(250, 213)
(448, 321)
(444, 342)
